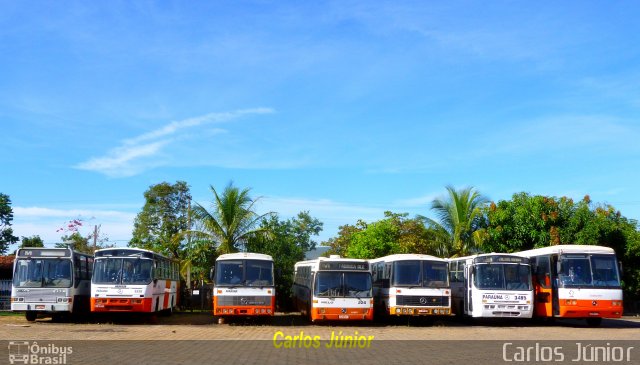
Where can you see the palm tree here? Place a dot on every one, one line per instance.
(460, 221)
(231, 220)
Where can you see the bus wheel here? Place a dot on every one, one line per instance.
(31, 316)
(594, 321)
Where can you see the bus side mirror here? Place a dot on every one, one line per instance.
(620, 268)
(211, 272)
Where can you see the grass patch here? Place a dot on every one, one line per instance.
(11, 314)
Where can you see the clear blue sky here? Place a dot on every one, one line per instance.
(344, 108)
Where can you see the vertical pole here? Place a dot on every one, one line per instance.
(189, 247)
(95, 237)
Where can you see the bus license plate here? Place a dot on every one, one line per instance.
(39, 306)
(343, 316)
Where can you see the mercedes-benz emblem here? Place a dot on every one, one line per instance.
(507, 297)
(243, 301)
(344, 310)
(594, 303)
(423, 300)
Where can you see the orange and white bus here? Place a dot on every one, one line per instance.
(576, 281)
(333, 288)
(411, 285)
(134, 280)
(243, 285)
(491, 285)
(51, 282)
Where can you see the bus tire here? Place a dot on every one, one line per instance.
(31, 316)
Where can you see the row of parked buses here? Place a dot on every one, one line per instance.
(61, 281)
(564, 281)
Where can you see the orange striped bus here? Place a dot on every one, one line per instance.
(333, 288)
(243, 285)
(133, 280)
(576, 281)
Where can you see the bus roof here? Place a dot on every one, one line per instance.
(48, 252)
(105, 251)
(481, 255)
(244, 256)
(407, 256)
(560, 249)
(315, 264)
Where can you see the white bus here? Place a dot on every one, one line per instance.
(51, 281)
(411, 285)
(333, 288)
(243, 285)
(491, 285)
(576, 281)
(134, 280)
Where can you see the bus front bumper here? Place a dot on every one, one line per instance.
(419, 311)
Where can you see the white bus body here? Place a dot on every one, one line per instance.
(134, 280)
(50, 281)
(333, 288)
(576, 281)
(411, 285)
(244, 285)
(491, 285)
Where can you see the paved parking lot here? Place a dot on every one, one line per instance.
(198, 338)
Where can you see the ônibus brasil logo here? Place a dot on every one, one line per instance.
(25, 352)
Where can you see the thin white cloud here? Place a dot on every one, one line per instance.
(140, 153)
(176, 126)
(41, 212)
(118, 163)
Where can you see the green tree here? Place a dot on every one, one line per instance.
(33, 241)
(396, 233)
(377, 239)
(230, 222)
(524, 222)
(164, 215)
(77, 242)
(287, 243)
(461, 217)
(340, 244)
(6, 216)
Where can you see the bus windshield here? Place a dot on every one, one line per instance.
(588, 271)
(503, 277)
(244, 272)
(430, 274)
(43, 273)
(131, 271)
(338, 284)
(259, 273)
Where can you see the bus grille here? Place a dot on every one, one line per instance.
(422, 300)
(244, 300)
(40, 296)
